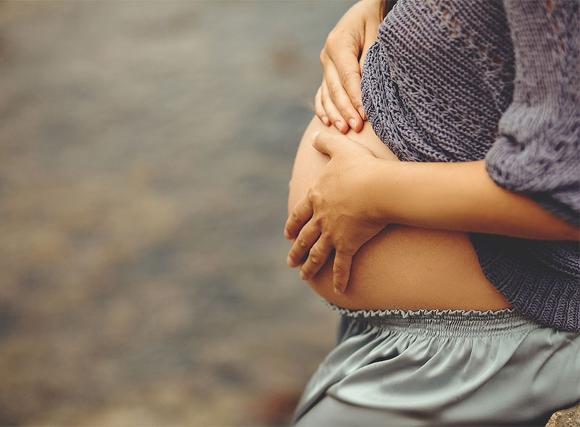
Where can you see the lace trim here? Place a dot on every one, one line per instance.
(414, 313)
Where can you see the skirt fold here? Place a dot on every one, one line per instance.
(442, 367)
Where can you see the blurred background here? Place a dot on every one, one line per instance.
(145, 152)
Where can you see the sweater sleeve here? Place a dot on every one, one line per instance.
(536, 151)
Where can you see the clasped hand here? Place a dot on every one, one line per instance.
(337, 214)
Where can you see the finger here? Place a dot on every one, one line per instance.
(331, 110)
(345, 58)
(300, 215)
(319, 109)
(327, 143)
(340, 98)
(347, 70)
(341, 271)
(317, 257)
(305, 240)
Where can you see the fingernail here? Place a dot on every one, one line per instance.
(302, 275)
(325, 120)
(337, 291)
(289, 261)
(338, 124)
(352, 123)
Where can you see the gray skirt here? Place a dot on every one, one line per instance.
(441, 368)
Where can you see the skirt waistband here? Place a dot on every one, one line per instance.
(451, 322)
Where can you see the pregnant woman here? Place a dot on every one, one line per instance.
(445, 229)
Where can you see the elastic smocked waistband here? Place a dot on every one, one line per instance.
(450, 322)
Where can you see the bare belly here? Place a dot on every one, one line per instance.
(402, 267)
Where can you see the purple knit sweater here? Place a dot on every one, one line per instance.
(460, 80)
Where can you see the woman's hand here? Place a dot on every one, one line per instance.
(337, 214)
(338, 100)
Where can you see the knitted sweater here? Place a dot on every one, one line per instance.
(460, 80)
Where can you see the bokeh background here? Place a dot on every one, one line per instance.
(145, 152)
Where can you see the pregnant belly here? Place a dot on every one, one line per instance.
(401, 267)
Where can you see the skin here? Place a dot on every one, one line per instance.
(352, 199)
(338, 101)
(401, 266)
(358, 194)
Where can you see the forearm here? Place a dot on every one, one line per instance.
(459, 196)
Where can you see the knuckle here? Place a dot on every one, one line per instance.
(343, 248)
(302, 242)
(318, 223)
(295, 217)
(331, 38)
(313, 196)
(322, 55)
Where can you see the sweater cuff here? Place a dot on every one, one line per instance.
(553, 182)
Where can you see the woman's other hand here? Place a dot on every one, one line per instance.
(338, 101)
(337, 212)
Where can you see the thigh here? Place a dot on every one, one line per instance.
(332, 412)
(410, 369)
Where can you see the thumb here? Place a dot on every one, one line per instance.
(326, 143)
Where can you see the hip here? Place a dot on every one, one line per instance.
(443, 367)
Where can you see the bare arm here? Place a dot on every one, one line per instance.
(462, 197)
(357, 194)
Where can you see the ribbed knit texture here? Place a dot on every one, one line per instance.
(458, 80)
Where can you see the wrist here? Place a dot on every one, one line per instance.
(381, 192)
